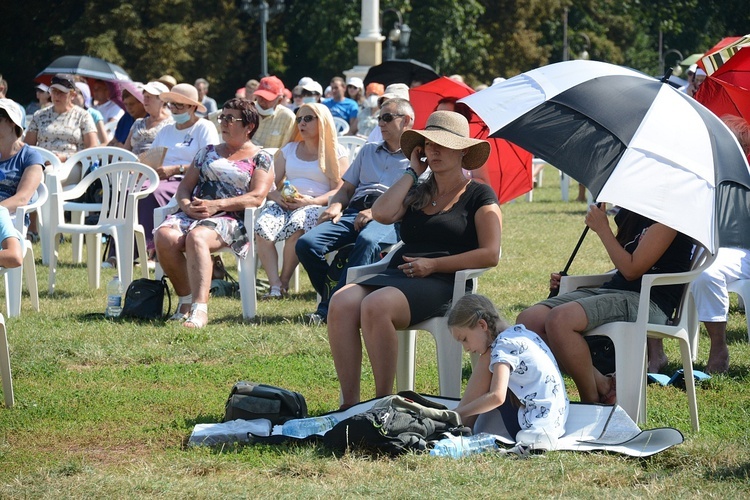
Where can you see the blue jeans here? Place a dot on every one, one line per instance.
(324, 238)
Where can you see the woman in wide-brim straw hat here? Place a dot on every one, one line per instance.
(448, 223)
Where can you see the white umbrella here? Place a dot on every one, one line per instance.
(632, 140)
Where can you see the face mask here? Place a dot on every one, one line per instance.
(181, 118)
(264, 112)
(372, 101)
(309, 100)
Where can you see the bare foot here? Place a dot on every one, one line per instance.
(718, 360)
(609, 397)
(657, 363)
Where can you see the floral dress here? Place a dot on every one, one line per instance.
(222, 178)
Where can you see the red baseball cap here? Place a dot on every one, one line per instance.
(270, 88)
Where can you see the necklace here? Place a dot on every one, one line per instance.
(461, 183)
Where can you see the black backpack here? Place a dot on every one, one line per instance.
(248, 401)
(392, 428)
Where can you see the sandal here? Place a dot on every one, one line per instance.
(198, 316)
(182, 316)
(275, 293)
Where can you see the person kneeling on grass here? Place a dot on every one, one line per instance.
(516, 374)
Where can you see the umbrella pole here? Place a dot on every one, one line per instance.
(564, 272)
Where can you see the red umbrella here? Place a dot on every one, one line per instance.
(508, 167)
(720, 53)
(727, 90)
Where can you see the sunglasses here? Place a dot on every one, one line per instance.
(177, 106)
(388, 117)
(68, 84)
(229, 119)
(306, 118)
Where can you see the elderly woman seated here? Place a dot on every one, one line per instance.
(218, 185)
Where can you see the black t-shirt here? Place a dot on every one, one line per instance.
(676, 259)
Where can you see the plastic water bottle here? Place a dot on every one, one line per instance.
(114, 298)
(288, 191)
(303, 427)
(464, 445)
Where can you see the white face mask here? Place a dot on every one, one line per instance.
(372, 101)
(264, 112)
(181, 118)
(309, 100)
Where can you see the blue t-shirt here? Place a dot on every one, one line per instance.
(7, 230)
(123, 127)
(346, 109)
(14, 167)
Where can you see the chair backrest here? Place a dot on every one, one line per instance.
(75, 167)
(353, 144)
(342, 126)
(48, 157)
(700, 260)
(110, 127)
(123, 184)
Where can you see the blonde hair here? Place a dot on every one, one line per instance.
(469, 309)
(327, 140)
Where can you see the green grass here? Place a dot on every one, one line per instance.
(104, 409)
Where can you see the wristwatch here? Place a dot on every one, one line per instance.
(182, 169)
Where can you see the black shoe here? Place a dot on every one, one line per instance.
(314, 319)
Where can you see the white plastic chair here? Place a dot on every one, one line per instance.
(245, 267)
(110, 127)
(342, 126)
(43, 213)
(123, 184)
(5, 373)
(13, 277)
(353, 143)
(449, 352)
(70, 173)
(630, 338)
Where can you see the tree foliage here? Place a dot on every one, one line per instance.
(480, 39)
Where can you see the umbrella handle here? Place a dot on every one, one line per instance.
(666, 76)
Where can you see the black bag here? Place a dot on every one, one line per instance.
(602, 353)
(249, 401)
(395, 426)
(336, 269)
(144, 299)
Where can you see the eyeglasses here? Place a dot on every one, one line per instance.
(297, 96)
(306, 118)
(177, 106)
(388, 117)
(229, 119)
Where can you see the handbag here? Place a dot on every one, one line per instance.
(144, 299)
(602, 353)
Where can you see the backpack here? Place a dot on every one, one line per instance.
(94, 194)
(248, 401)
(144, 300)
(395, 425)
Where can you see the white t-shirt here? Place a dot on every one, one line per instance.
(183, 145)
(307, 176)
(110, 111)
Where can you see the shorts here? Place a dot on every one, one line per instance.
(604, 305)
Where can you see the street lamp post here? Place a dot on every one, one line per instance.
(263, 11)
(584, 54)
(400, 33)
(663, 60)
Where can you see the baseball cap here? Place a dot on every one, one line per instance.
(270, 88)
(313, 87)
(63, 82)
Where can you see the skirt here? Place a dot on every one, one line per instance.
(276, 224)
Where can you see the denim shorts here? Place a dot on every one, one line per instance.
(603, 305)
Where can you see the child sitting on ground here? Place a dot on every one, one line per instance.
(515, 362)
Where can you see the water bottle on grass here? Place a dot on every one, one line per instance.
(114, 298)
(462, 446)
(303, 427)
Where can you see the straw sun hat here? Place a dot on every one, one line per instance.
(183, 93)
(450, 130)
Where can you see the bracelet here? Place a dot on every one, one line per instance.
(410, 171)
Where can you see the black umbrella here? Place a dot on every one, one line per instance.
(614, 130)
(86, 66)
(401, 71)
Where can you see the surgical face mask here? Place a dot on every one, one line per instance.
(309, 100)
(372, 101)
(181, 118)
(264, 112)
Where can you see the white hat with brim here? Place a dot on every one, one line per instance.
(183, 93)
(155, 88)
(313, 87)
(13, 110)
(450, 130)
